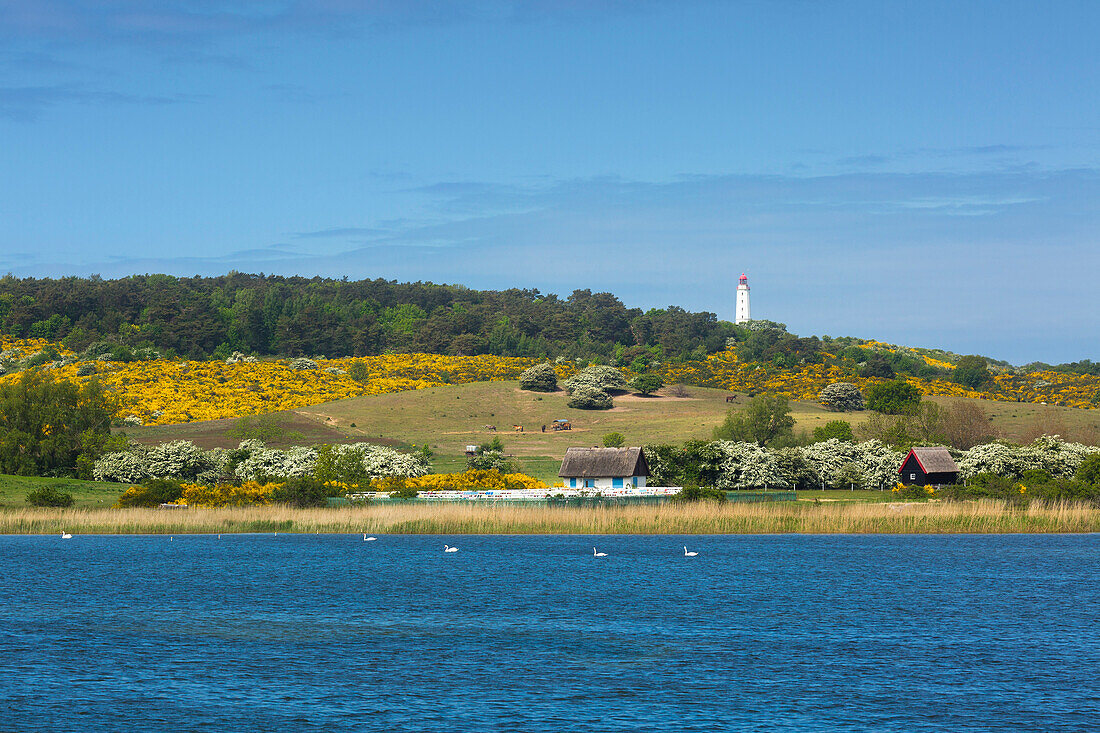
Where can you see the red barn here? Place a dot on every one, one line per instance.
(928, 467)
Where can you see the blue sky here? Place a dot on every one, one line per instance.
(925, 173)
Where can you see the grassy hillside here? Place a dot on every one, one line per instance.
(449, 418)
(88, 494)
(279, 430)
(454, 416)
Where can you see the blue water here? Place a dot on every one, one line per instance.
(310, 633)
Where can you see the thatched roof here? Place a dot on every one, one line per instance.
(934, 460)
(603, 463)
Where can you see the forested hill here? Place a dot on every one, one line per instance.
(290, 316)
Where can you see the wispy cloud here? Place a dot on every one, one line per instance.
(197, 21)
(341, 232)
(26, 103)
(297, 93)
(863, 161)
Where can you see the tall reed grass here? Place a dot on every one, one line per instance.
(785, 517)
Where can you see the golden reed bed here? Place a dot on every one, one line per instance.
(985, 517)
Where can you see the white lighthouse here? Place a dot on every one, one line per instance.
(743, 300)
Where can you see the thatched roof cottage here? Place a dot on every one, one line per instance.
(604, 468)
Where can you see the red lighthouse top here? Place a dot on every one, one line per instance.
(744, 279)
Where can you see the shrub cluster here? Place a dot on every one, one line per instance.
(489, 460)
(1033, 486)
(152, 493)
(49, 496)
(539, 378)
(590, 398)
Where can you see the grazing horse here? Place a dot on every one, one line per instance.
(493, 428)
(731, 398)
(517, 428)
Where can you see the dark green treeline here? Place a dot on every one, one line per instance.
(271, 315)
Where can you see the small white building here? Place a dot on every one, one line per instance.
(604, 468)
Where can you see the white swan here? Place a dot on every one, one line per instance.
(368, 539)
(598, 554)
(448, 548)
(689, 554)
(65, 535)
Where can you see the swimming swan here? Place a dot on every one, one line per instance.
(368, 539)
(689, 554)
(598, 554)
(448, 548)
(65, 535)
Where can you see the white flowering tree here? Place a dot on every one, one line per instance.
(179, 459)
(250, 461)
(602, 378)
(842, 397)
(876, 464)
(1048, 453)
(124, 467)
(381, 462)
(745, 466)
(994, 458)
(590, 398)
(274, 463)
(539, 378)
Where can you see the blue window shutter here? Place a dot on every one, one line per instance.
(572, 483)
(616, 483)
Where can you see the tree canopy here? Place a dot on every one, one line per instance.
(52, 427)
(293, 316)
(647, 384)
(972, 371)
(896, 397)
(762, 421)
(838, 429)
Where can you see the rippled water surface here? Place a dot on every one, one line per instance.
(308, 632)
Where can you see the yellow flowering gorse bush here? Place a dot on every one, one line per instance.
(249, 493)
(30, 346)
(470, 480)
(162, 391)
(723, 370)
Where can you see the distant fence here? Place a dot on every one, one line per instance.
(752, 497)
(738, 497)
(558, 495)
(573, 501)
